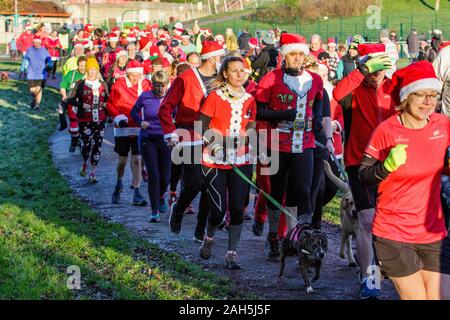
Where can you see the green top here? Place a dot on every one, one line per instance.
(69, 80)
(71, 64)
(189, 48)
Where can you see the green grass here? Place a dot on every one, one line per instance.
(12, 66)
(398, 15)
(44, 228)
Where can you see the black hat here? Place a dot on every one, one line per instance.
(174, 43)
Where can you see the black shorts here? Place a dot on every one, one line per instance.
(123, 145)
(399, 259)
(365, 198)
(36, 83)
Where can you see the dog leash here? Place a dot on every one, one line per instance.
(336, 161)
(268, 196)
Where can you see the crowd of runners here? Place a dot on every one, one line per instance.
(187, 105)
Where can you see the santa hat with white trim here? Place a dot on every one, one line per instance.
(417, 76)
(131, 37)
(211, 49)
(135, 66)
(290, 42)
(113, 37)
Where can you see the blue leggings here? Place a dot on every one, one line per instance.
(157, 160)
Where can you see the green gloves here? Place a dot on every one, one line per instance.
(396, 157)
(376, 63)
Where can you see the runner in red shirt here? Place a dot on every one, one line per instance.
(364, 94)
(228, 112)
(405, 156)
(289, 98)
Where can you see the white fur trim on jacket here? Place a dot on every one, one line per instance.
(119, 118)
(287, 48)
(129, 85)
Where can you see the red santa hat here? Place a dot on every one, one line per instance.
(211, 49)
(154, 51)
(155, 26)
(177, 31)
(178, 25)
(332, 42)
(112, 37)
(135, 66)
(86, 44)
(78, 44)
(253, 42)
(28, 27)
(131, 37)
(37, 38)
(88, 27)
(120, 52)
(144, 42)
(365, 48)
(290, 42)
(417, 76)
(116, 30)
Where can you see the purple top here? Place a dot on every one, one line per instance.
(146, 108)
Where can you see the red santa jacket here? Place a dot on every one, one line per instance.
(282, 92)
(121, 100)
(25, 41)
(52, 46)
(88, 104)
(186, 94)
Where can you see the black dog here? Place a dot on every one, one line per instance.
(310, 246)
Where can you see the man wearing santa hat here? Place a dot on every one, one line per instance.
(185, 95)
(366, 101)
(334, 60)
(124, 94)
(289, 99)
(39, 62)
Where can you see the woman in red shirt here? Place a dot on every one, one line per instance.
(53, 46)
(405, 157)
(228, 113)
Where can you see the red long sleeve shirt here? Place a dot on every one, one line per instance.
(369, 107)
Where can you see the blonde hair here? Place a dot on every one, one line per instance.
(160, 76)
(310, 63)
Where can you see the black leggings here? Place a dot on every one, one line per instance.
(91, 134)
(221, 183)
(175, 175)
(156, 156)
(294, 176)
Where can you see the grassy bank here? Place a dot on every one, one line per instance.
(399, 15)
(44, 228)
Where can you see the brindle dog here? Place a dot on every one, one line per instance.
(310, 246)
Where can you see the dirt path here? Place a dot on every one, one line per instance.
(258, 276)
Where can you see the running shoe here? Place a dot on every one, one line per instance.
(175, 220)
(138, 199)
(154, 217)
(83, 170)
(163, 208)
(368, 291)
(92, 178)
(274, 248)
(117, 191)
(232, 261)
(206, 247)
(258, 228)
(172, 197)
